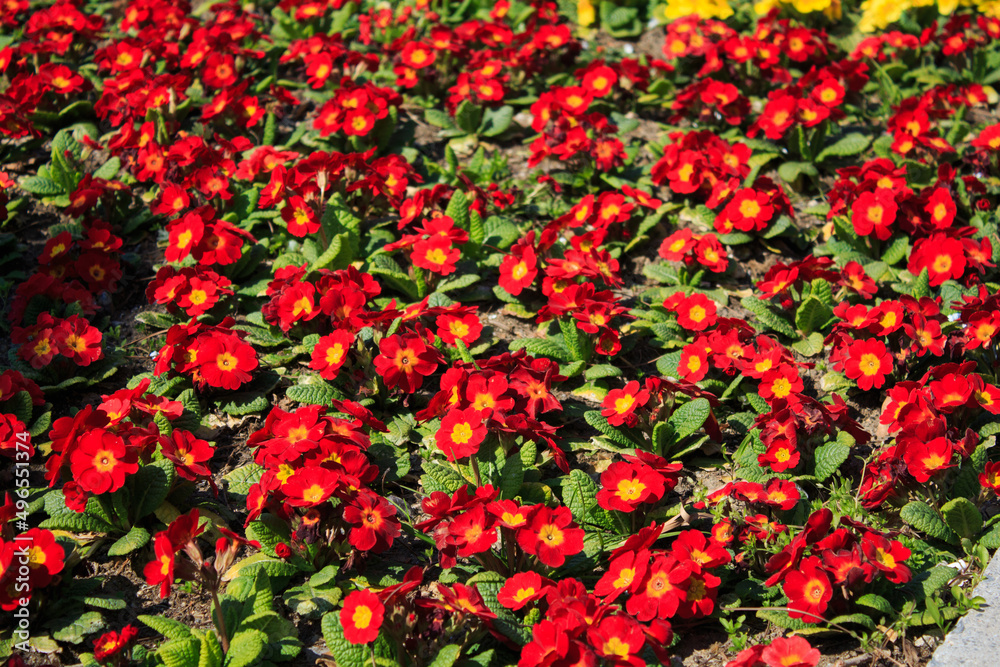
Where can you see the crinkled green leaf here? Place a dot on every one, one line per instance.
(924, 518)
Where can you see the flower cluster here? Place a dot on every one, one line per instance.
(824, 568)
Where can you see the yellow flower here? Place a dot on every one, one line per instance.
(764, 6)
(808, 6)
(877, 14)
(584, 12)
(706, 9)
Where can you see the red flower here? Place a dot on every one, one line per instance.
(693, 365)
(694, 546)
(101, 461)
(112, 643)
(868, 362)
(465, 328)
(626, 486)
(521, 589)
(618, 639)
(45, 556)
(518, 270)
(701, 589)
(696, 312)
(461, 433)
(780, 383)
(943, 257)
(925, 459)
(185, 233)
(549, 643)
(188, 453)
(309, 487)
(404, 360)
(330, 353)
(749, 210)
(417, 55)
(362, 617)
(990, 477)
(662, 591)
(887, 556)
(625, 573)
(472, 532)
(781, 455)
(161, 570)
(300, 217)
(374, 522)
(874, 212)
(225, 361)
(78, 340)
(552, 536)
(619, 405)
(809, 591)
(790, 652)
(436, 255)
(941, 208)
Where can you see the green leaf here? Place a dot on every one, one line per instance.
(580, 496)
(180, 652)
(571, 338)
(616, 435)
(601, 371)
(447, 656)
(511, 477)
(151, 487)
(812, 315)
(319, 393)
(438, 118)
(809, 346)
(860, 619)
(241, 479)
(74, 629)
(136, 538)
(63, 518)
(782, 619)
(344, 653)
(690, 417)
(438, 477)
(211, 650)
(963, 517)
(20, 406)
(40, 185)
(896, 252)
(541, 347)
(244, 403)
(829, 458)
(109, 169)
(769, 318)
(922, 516)
(991, 540)
(167, 627)
(337, 255)
(496, 121)
(876, 602)
(316, 596)
(246, 648)
(791, 171)
(922, 285)
(468, 116)
(850, 144)
(459, 282)
(458, 209)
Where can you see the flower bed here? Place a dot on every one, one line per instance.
(495, 333)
